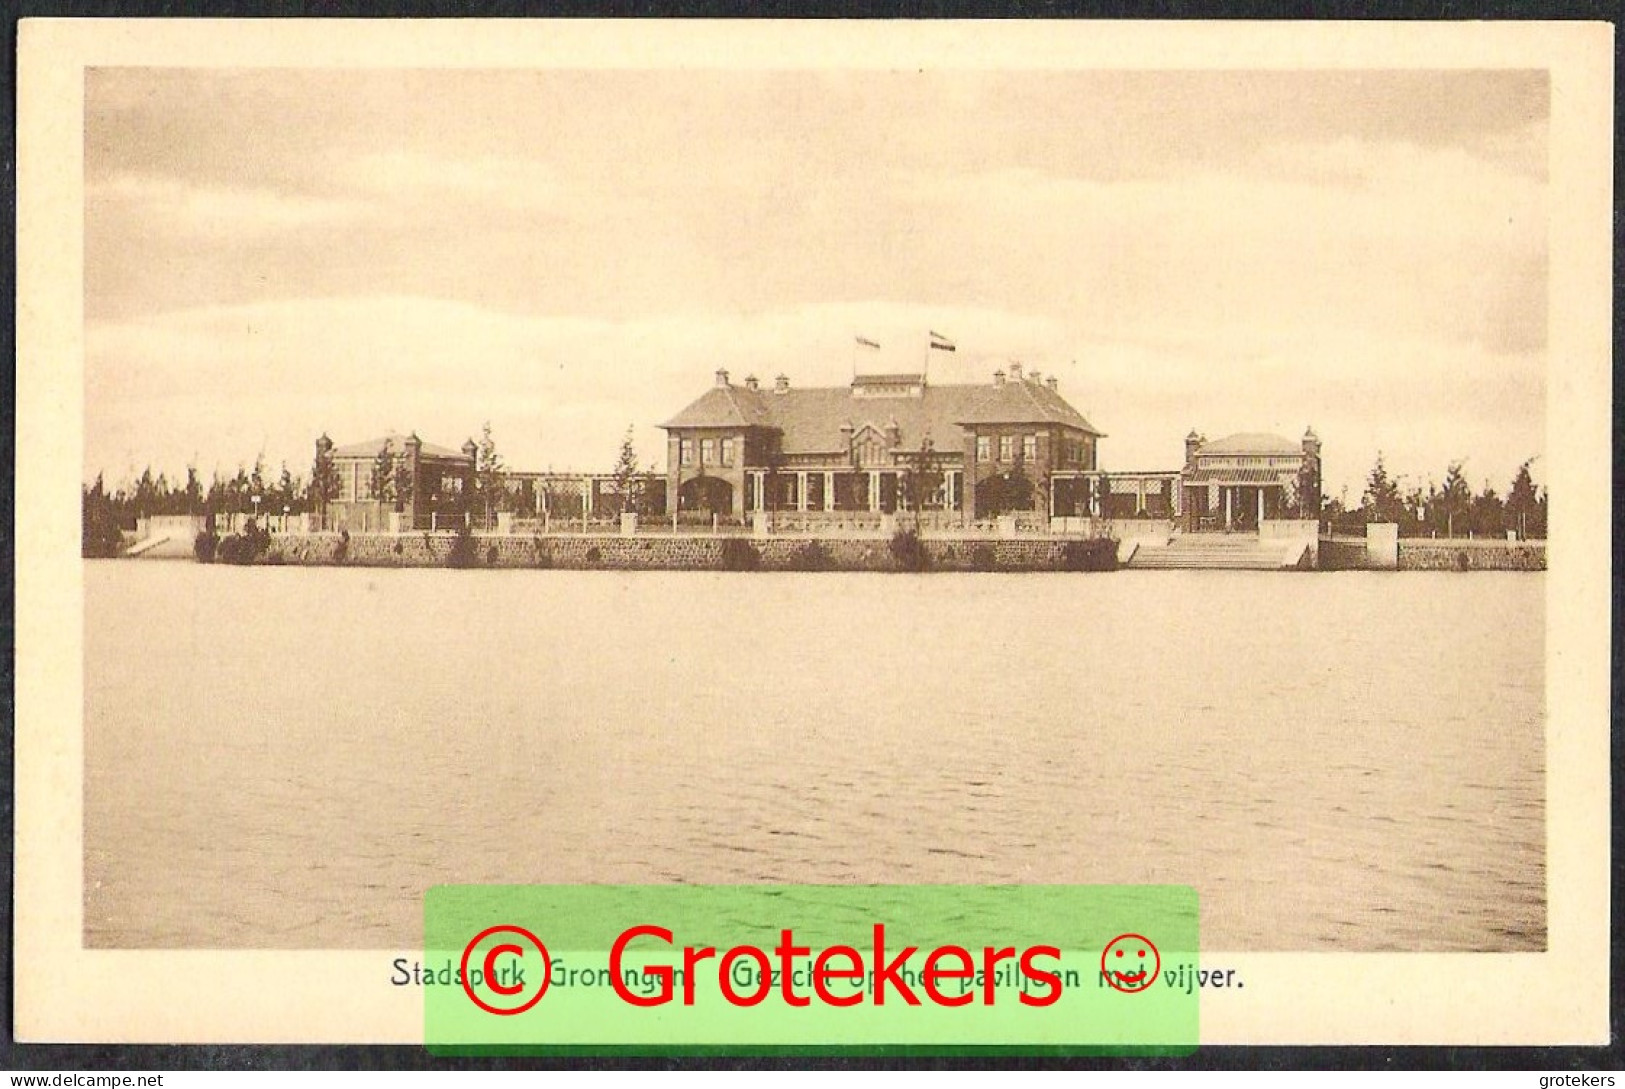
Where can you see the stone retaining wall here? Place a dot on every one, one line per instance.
(661, 553)
(1419, 554)
(1428, 554)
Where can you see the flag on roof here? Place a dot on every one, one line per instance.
(867, 343)
(941, 343)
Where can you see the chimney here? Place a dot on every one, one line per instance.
(1053, 383)
(1015, 371)
(998, 378)
(1311, 443)
(781, 384)
(1192, 441)
(751, 383)
(722, 376)
(1034, 377)
(470, 450)
(324, 445)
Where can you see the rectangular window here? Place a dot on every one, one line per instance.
(708, 451)
(1029, 447)
(727, 451)
(688, 451)
(984, 448)
(1007, 448)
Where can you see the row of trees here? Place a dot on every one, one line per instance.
(155, 495)
(1451, 509)
(490, 492)
(108, 513)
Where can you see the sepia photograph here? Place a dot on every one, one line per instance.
(836, 474)
(677, 367)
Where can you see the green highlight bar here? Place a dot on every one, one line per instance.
(1096, 969)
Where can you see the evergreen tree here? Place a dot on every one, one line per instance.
(627, 482)
(99, 523)
(1381, 502)
(383, 474)
(286, 492)
(1454, 500)
(324, 484)
(403, 487)
(488, 477)
(923, 476)
(1488, 515)
(1522, 503)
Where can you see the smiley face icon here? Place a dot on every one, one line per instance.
(1130, 963)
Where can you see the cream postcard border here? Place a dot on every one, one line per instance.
(67, 993)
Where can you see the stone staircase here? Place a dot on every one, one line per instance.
(1222, 551)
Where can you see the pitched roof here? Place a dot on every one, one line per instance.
(724, 406)
(1251, 443)
(810, 420)
(1025, 401)
(1234, 476)
(372, 447)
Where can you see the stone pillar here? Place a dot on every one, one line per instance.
(1382, 545)
(801, 491)
(674, 471)
(874, 489)
(1229, 495)
(1260, 510)
(414, 473)
(967, 481)
(829, 491)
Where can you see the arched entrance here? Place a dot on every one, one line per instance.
(709, 494)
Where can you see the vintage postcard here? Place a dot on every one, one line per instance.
(1029, 473)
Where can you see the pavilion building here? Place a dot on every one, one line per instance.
(1242, 481)
(986, 448)
(423, 483)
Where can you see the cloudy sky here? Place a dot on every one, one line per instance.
(273, 254)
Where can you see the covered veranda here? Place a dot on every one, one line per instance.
(844, 490)
(1232, 500)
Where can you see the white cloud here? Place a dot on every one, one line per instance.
(214, 212)
(494, 183)
(220, 384)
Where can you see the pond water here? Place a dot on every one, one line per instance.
(289, 757)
